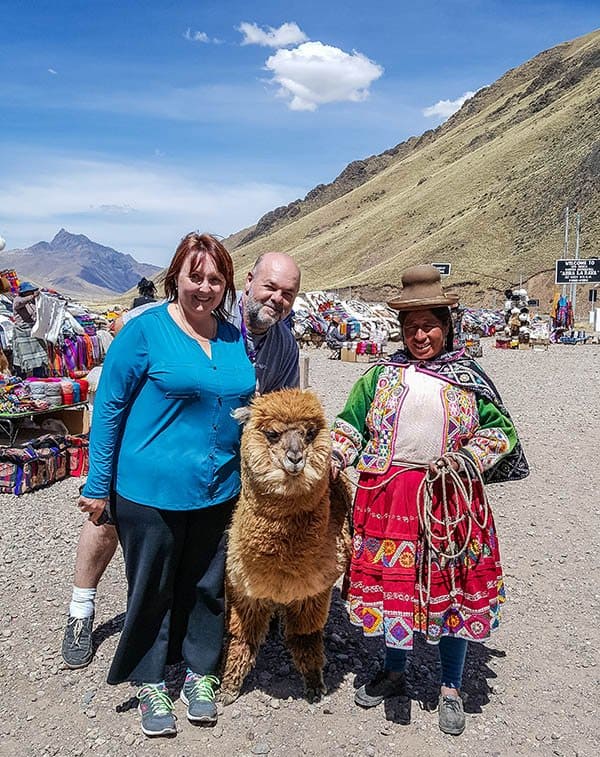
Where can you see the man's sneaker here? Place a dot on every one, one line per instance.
(198, 694)
(156, 709)
(451, 715)
(380, 688)
(77, 648)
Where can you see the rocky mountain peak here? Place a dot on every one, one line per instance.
(76, 265)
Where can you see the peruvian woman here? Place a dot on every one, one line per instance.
(426, 430)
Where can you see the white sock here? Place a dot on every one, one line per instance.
(82, 603)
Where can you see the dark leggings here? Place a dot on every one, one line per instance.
(452, 651)
(175, 563)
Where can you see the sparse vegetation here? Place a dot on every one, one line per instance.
(486, 191)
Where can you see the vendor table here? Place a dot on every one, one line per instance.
(10, 423)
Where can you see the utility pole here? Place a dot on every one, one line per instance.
(574, 286)
(566, 245)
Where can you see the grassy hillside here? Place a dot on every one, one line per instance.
(486, 191)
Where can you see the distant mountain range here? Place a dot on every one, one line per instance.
(76, 266)
(485, 191)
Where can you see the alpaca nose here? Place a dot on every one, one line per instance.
(294, 456)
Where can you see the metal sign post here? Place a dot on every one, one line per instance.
(566, 244)
(574, 286)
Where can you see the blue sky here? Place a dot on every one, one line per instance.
(135, 122)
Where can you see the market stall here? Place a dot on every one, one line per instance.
(347, 327)
(13, 423)
(44, 418)
(45, 426)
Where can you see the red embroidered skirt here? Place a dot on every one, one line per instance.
(384, 595)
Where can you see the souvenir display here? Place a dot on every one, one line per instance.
(321, 317)
(59, 341)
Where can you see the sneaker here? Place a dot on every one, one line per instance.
(380, 688)
(156, 709)
(451, 715)
(77, 647)
(198, 694)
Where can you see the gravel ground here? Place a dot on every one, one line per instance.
(533, 690)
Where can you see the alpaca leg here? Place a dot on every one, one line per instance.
(247, 626)
(304, 624)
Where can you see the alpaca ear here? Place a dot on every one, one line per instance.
(241, 414)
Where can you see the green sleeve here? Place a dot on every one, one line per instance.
(490, 416)
(350, 433)
(495, 435)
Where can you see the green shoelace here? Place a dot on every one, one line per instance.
(157, 700)
(202, 687)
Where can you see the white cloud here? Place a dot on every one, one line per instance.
(52, 71)
(313, 74)
(138, 208)
(114, 210)
(287, 34)
(445, 108)
(198, 36)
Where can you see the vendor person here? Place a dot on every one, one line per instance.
(147, 293)
(30, 357)
(426, 429)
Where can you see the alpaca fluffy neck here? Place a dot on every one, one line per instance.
(283, 494)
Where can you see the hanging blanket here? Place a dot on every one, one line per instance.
(28, 352)
(50, 314)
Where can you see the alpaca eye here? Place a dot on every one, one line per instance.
(272, 436)
(311, 434)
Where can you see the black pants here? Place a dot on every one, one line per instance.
(175, 564)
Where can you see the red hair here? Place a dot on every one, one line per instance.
(199, 245)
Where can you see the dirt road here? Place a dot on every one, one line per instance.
(533, 690)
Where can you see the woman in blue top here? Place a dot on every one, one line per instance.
(164, 439)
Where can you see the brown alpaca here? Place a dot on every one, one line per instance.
(289, 540)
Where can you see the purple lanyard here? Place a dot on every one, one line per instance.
(251, 353)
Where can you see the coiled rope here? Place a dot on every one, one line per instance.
(455, 510)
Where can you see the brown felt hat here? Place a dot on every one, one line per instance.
(422, 289)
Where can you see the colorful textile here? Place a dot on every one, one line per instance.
(367, 426)
(562, 313)
(28, 352)
(405, 412)
(12, 279)
(78, 455)
(385, 596)
(30, 466)
(76, 354)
